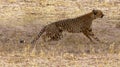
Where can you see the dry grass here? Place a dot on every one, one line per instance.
(21, 21)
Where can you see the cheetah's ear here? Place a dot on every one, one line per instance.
(94, 11)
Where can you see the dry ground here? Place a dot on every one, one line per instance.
(72, 50)
(18, 27)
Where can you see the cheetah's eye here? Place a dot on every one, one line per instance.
(95, 12)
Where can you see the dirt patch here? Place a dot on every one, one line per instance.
(72, 50)
(12, 38)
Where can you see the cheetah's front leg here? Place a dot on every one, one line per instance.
(93, 36)
(85, 32)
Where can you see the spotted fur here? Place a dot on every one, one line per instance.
(79, 24)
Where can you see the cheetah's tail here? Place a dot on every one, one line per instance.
(38, 36)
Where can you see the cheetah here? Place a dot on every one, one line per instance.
(78, 24)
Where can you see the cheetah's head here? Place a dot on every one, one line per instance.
(98, 14)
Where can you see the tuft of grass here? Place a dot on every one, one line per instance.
(12, 1)
(111, 48)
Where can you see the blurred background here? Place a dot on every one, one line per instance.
(19, 12)
(21, 21)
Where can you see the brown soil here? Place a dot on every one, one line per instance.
(104, 29)
(73, 48)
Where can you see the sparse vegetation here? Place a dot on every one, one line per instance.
(118, 25)
(22, 20)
